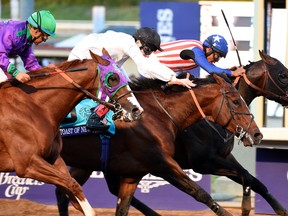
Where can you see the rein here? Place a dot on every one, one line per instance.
(70, 80)
(166, 112)
(205, 117)
(262, 90)
(239, 130)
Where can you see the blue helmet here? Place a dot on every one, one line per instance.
(217, 43)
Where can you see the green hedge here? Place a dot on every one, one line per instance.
(81, 10)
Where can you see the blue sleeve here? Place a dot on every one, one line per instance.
(201, 60)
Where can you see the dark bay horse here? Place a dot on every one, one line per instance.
(30, 142)
(150, 147)
(203, 151)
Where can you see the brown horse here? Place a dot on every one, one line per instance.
(150, 148)
(213, 156)
(30, 142)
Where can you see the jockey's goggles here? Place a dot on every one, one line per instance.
(146, 49)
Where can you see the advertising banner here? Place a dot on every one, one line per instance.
(172, 20)
(272, 170)
(153, 191)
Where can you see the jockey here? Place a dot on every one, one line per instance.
(17, 38)
(122, 46)
(201, 54)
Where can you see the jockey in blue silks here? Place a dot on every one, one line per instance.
(183, 55)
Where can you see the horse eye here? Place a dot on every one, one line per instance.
(236, 102)
(113, 80)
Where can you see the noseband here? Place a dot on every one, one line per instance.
(240, 132)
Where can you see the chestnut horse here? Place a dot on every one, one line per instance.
(30, 143)
(150, 147)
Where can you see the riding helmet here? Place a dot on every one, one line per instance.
(217, 43)
(44, 21)
(149, 37)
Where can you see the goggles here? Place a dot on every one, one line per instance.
(146, 49)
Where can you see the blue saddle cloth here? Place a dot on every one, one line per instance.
(75, 122)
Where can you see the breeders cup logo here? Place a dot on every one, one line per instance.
(149, 181)
(15, 187)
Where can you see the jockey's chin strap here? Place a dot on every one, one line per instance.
(201, 111)
(70, 80)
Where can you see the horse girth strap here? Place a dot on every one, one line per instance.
(70, 80)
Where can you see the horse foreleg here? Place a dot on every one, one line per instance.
(81, 176)
(113, 183)
(79, 202)
(126, 192)
(262, 190)
(43, 171)
(169, 170)
(231, 168)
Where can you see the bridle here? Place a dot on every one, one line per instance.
(262, 88)
(239, 131)
(87, 93)
(118, 108)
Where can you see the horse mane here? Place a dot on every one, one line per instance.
(246, 67)
(142, 83)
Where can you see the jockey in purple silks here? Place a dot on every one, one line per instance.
(17, 38)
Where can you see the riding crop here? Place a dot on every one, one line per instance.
(57, 72)
(232, 37)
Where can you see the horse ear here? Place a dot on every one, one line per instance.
(99, 59)
(218, 79)
(105, 52)
(267, 59)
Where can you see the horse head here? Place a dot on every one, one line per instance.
(231, 110)
(267, 77)
(114, 84)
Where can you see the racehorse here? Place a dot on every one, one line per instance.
(213, 156)
(30, 142)
(150, 147)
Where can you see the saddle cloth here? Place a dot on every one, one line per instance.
(75, 122)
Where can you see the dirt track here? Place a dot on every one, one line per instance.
(28, 208)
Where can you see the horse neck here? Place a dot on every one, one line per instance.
(180, 106)
(58, 96)
(255, 76)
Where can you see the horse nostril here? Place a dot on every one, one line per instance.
(258, 136)
(137, 111)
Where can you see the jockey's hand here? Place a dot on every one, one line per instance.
(23, 77)
(238, 72)
(185, 82)
(232, 68)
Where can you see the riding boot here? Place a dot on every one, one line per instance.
(96, 119)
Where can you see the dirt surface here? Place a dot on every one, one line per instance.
(28, 208)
